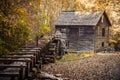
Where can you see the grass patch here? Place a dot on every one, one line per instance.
(74, 56)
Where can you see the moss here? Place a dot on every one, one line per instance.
(73, 56)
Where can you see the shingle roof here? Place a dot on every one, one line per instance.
(79, 18)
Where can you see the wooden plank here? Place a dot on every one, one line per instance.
(18, 56)
(13, 65)
(21, 56)
(26, 53)
(29, 49)
(18, 60)
(9, 74)
(30, 52)
(20, 66)
(37, 52)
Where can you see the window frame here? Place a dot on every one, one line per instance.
(102, 44)
(103, 32)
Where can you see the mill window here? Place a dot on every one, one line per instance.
(103, 32)
(102, 44)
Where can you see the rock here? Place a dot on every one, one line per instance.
(45, 75)
(58, 75)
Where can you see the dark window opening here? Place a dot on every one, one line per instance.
(88, 30)
(103, 32)
(73, 33)
(63, 30)
(102, 44)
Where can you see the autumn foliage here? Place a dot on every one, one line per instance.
(22, 20)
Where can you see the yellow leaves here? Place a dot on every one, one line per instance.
(30, 38)
(47, 29)
(22, 22)
(35, 4)
(112, 41)
(18, 1)
(5, 19)
(9, 33)
(31, 3)
(43, 29)
(119, 39)
(74, 56)
(88, 55)
(22, 11)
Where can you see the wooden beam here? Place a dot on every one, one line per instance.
(32, 57)
(13, 65)
(9, 74)
(16, 60)
(18, 56)
(20, 66)
(28, 61)
(26, 53)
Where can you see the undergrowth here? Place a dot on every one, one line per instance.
(74, 56)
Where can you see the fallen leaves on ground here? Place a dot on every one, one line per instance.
(98, 67)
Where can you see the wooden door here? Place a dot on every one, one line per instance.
(73, 34)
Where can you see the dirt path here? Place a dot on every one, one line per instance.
(99, 67)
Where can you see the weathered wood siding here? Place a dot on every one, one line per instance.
(99, 39)
(80, 38)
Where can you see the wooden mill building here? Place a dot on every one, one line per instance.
(84, 31)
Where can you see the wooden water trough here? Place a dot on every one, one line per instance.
(13, 60)
(19, 64)
(18, 70)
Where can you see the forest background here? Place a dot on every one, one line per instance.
(22, 20)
